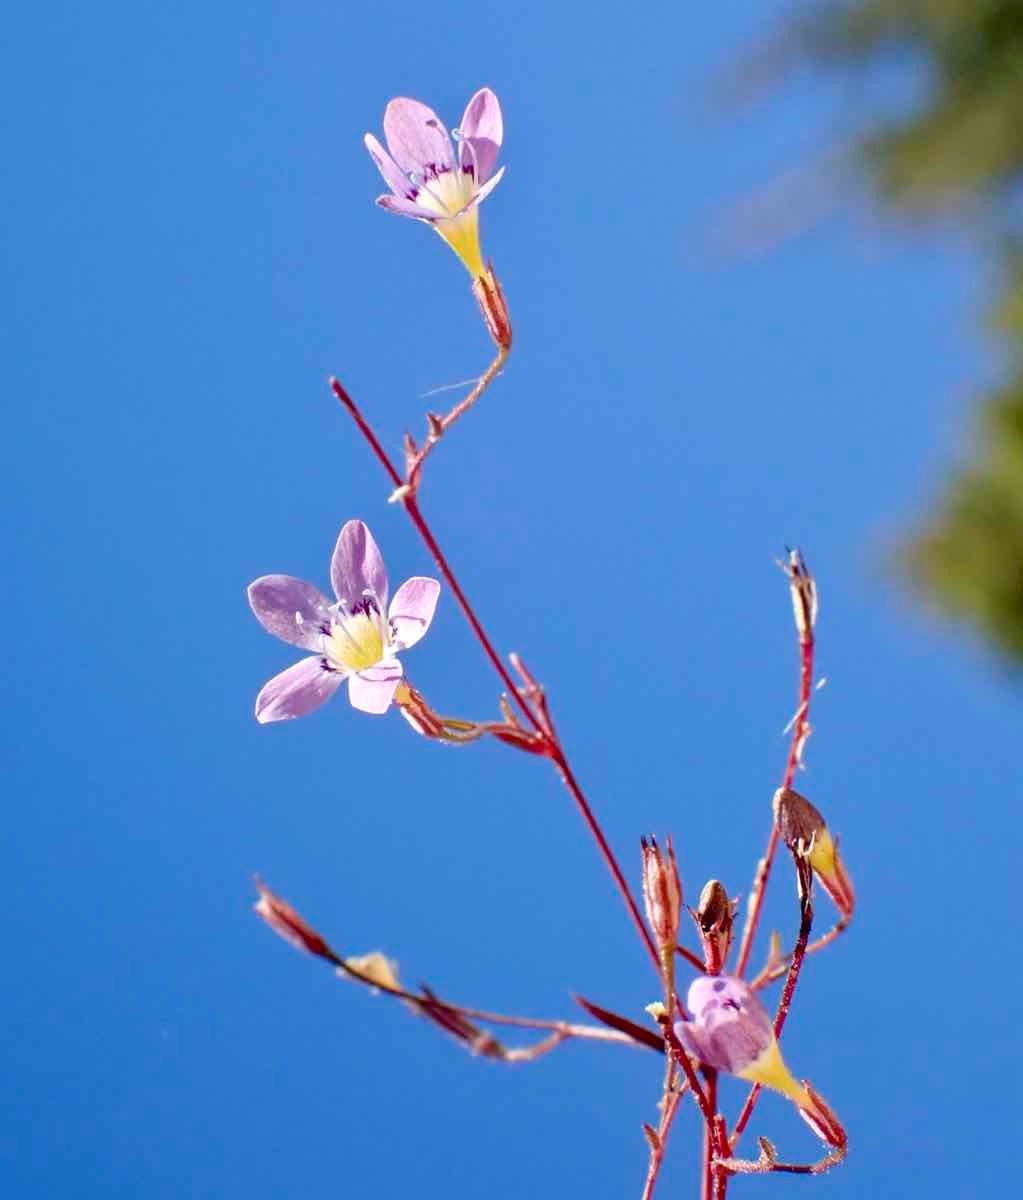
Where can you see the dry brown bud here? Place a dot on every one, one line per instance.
(286, 922)
(804, 594)
(804, 831)
(715, 916)
(797, 819)
(490, 297)
(662, 893)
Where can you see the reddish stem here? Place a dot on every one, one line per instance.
(800, 732)
(672, 1098)
(411, 505)
(555, 751)
(798, 956)
(785, 1003)
(721, 1174)
(416, 517)
(544, 728)
(707, 1184)
(692, 959)
(576, 792)
(365, 430)
(440, 425)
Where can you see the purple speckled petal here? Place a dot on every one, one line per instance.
(417, 140)
(406, 208)
(297, 691)
(373, 690)
(290, 609)
(484, 192)
(482, 131)
(395, 179)
(357, 566)
(730, 1028)
(412, 610)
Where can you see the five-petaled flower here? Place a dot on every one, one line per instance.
(358, 638)
(428, 181)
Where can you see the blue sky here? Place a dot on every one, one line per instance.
(191, 249)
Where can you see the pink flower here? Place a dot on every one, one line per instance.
(428, 181)
(351, 639)
(730, 1030)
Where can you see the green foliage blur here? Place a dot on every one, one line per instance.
(959, 151)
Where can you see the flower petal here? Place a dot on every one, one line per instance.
(730, 1028)
(395, 179)
(357, 566)
(417, 140)
(290, 609)
(412, 610)
(482, 127)
(484, 192)
(373, 690)
(406, 208)
(297, 691)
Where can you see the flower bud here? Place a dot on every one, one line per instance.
(285, 922)
(822, 1120)
(490, 297)
(731, 1031)
(662, 893)
(416, 711)
(804, 831)
(714, 916)
(804, 594)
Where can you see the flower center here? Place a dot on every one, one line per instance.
(445, 194)
(355, 640)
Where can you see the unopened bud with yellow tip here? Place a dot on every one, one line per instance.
(805, 832)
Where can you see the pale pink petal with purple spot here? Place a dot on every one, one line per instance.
(730, 1028)
(412, 609)
(482, 129)
(297, 691)
(417, 140)
(406, 208)
(357, 566)
(373, 690)
(290, 609)
(395, 179)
